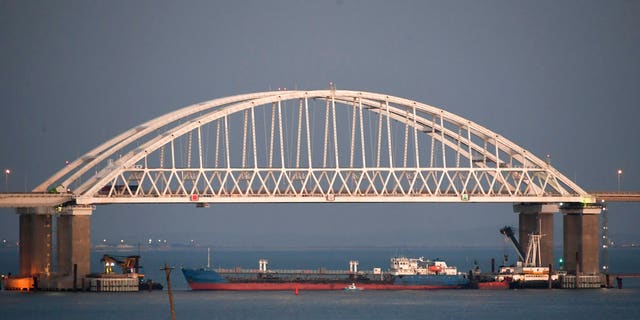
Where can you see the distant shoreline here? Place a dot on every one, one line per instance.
(306, 248)
(101, 248)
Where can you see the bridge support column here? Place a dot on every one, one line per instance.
(74, 246)
(537, 218)
(35, 241)
(581, 226)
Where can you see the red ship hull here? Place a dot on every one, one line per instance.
(308, 286)
(493, 285)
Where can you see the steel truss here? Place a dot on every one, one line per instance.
(312, 146)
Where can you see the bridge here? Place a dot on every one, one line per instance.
(302, 146)
(616, 196)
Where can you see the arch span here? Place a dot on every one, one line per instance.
(311, 146)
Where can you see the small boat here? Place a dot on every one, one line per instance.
(352, 287)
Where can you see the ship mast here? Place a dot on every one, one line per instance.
(534, 257)
(533, 251)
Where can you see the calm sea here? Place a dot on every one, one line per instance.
(439, 304)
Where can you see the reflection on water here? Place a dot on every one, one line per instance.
(438, 304)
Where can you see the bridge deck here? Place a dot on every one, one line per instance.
(616, 196)
(626, 275)
(32, 199)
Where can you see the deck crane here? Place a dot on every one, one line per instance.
(508, 232)
(129, 264)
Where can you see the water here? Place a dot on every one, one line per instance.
(438, 304)
(443, 304)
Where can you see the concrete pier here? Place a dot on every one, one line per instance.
(35, 241)
(74, 247)
(534, 218)
(581, 225)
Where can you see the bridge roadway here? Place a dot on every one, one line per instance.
(37, 199)
(616, 196)
(33, 199)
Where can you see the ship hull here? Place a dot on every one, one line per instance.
(202, 279)
(290, 286)
(493, 285)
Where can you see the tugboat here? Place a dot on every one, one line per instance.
(486, 281)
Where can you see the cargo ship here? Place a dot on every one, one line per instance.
(403, 274)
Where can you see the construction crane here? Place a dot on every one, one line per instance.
(508, 232)
(128, 264)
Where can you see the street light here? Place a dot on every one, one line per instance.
(619, 174)
(6, 179)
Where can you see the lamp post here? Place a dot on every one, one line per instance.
(6, 179)
(619, 174)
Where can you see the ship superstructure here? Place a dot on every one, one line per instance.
(420, 266)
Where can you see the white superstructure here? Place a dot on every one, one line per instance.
(420, 266)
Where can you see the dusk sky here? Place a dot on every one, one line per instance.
(556, 77)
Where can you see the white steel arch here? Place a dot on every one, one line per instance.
(311, 146)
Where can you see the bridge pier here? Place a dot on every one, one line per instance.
(534, 218)
(74, 246)
(581, 225)
(35, 241)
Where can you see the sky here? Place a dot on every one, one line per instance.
(556, 77)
